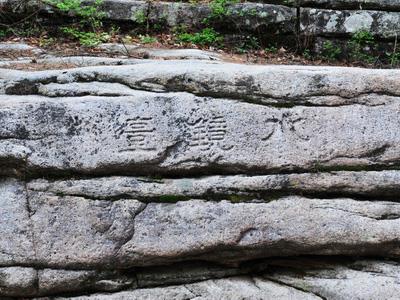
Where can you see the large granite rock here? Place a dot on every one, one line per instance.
(290, 279)
(170, 133)
(53, 230)
(244, 16)
(274, 85)
(249, 176)
(381, 24)
(235, 288)
(367, 279)
(388, 5)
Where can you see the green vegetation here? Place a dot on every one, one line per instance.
(207, 36)
(219, 8)
(84, 23)
(146, 39)
(89, 28)
(330, 51)
(361, 45)
(139, 17)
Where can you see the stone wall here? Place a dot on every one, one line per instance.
(200, 179)
(312, 22)
(302, 24)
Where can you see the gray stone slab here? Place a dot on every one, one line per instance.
(347, 22)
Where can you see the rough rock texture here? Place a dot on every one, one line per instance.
(137, 50)
(62, 231)
(288, 279)
(240, 187)
(170, 133)
(235, 288)
(199, 180)
(244, 16)
(388, 5)
(275, 85)
(346, 22)
(168, 142)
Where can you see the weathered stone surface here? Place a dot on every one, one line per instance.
(26, 281)
(19, 48)
(301, 278)
(139, 51)
(281, 85)
(118, 235)
(52, 63)
(77, 232)
(18, 281)
(16, 241)
(346, 22)
(241, 137)
(245, 16)
(368, 279)
(53, 282)
(240, 187)
(388, 5)
(234, 288)
(96, 135)
(83, 233)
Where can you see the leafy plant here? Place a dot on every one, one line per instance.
(88, 30)
(219, 9)
(361, 45)
(90, 13)
(139, 17)
(307, 54)
(247, 43)
(271, 49)
(330, 51)
(208, 36)
(3, 33)
(393, 57)
(88, 39)
(146, 39)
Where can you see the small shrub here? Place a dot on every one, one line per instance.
(139, 17)
(361, 45)
(330, 51)
(219, 9)
(207, 36)
(271, 49)
(393, 57)
(247, 43)
(88, 29)
(146, 39)
(307, 54)
(88, 39)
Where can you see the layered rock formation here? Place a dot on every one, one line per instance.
(311, 24)
(199, 180)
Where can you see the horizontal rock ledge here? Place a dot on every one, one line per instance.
(364, 279)
(235, 188)
(312, 275)
(31, 282)
(280, 85)
(178, 133)
(56, 231)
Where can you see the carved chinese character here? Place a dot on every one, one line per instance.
(139, 132)
(205, 133)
